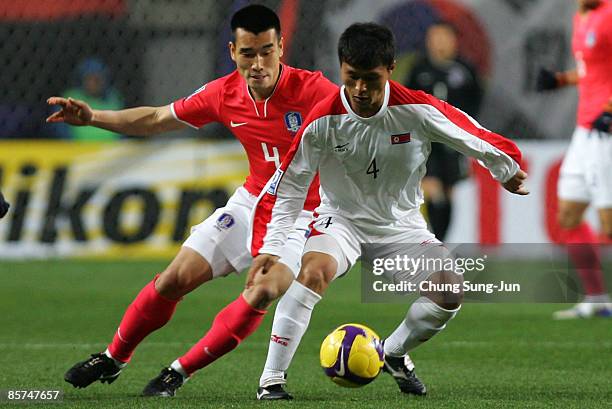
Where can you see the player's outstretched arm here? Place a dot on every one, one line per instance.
(516, 183)
(72, 111)
(140, 121)
(261, 264)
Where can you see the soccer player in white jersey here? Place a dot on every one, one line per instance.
(369, 143)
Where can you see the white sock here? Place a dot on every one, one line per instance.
(119, 364)
(176, 365)
(290, 322)
(597, 299)
(424, 319)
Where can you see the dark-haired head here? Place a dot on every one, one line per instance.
(255, 19)
(256, 48)
(366, 52)
(367, 45)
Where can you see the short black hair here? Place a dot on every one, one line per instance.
(446, 24)
(255, 19)
(366, 46)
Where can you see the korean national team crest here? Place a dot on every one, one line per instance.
(225, 221)
(293, 121)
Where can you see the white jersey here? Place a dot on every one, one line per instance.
(371, 168)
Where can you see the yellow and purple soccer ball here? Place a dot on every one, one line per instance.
(352, 355)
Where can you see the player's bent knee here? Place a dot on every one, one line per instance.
(317, 271)
(568, 221)
(313, 278)
(448, 289)
(174, 284)
(607, 230)
(606, 222)
(183, 276)
(570, 214)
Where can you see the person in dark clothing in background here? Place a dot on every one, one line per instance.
(444, 74)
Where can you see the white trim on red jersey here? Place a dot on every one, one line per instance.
(179, 119)
(248, 91)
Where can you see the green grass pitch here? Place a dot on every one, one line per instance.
(54, 313)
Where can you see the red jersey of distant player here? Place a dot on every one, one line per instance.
(592, 47)
(265, 128)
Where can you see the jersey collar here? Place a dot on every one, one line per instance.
(381, 112)
(264, 113)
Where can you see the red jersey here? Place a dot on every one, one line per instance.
(592, 47)
(265, 128)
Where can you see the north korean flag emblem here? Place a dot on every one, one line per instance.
(400, 138)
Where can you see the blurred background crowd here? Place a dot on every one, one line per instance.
(481, 55)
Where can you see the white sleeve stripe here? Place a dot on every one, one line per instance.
(179, 119)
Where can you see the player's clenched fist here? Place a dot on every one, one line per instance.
(4, 206)
(73, 111)
(516, 183)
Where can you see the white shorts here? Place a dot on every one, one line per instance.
(586, 171)
(222, 238)
(341, 239)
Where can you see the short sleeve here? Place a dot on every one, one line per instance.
(199, 108)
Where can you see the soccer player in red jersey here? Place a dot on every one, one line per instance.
(263, 102)
(586, 173)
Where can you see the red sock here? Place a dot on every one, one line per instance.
(149, 311)
(232, 324)
(582, 249)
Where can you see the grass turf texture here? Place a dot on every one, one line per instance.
(55, 313)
